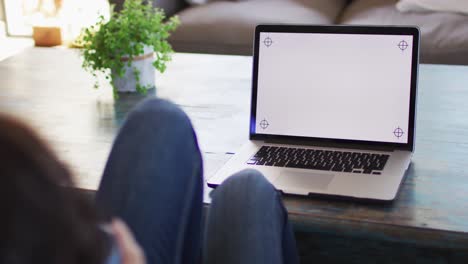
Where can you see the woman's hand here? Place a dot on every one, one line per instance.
(130, 251)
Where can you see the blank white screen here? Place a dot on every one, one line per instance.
(340, 86)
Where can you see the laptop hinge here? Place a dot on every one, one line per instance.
(331, 145)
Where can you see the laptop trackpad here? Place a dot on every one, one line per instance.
(300, 180)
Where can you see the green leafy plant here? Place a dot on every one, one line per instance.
(109, 47)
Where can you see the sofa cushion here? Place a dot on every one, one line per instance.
(228, 27)
(444, 36)
(455, 6)
(198, 2)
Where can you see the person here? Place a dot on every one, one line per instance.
(151, 194)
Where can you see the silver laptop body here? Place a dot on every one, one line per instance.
(333, 110)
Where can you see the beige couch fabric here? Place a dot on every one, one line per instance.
(444, 36)
(228, 26)
(198, 2)
(454, 6)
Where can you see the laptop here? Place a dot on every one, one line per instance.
(332, 111)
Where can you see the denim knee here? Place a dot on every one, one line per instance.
(152, 108)
(245, 182)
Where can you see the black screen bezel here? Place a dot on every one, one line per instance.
(372, 30)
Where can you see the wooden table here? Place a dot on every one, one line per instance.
(47, 88)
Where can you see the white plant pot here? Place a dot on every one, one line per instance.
(144, 64)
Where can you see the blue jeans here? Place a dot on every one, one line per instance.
(153, 181)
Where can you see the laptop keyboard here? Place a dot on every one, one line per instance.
(317, 159)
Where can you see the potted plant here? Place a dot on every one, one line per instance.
(129, 47)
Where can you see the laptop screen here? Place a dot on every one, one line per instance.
(334, 86)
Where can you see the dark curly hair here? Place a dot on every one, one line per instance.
(42, 219)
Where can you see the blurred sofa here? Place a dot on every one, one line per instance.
(226, 27)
